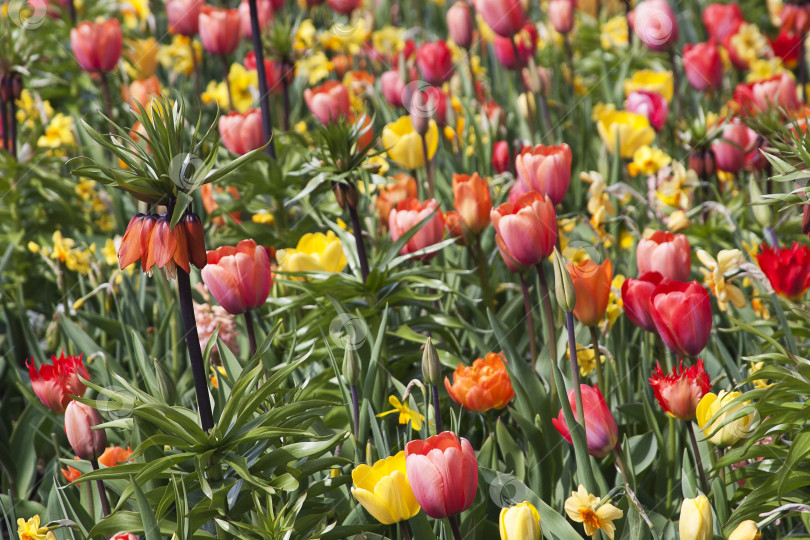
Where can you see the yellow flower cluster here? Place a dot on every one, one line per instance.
(243, 84)
(177, 55)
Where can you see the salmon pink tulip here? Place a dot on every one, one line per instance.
(238, 277)
(87, 443)
(546, 170)
(97, 46)
(526, 230)
(407, 215)
(592, 286)
(665, 253)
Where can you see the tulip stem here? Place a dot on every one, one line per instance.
(404, 528)
(227, 80)
(3, 131)
(572, 349)
(627, 10)
(285, 94)
(437, 412)
(483, 272)
(803, 67)
(428, 168)
(676, 82)
(194, 67)
(527, 306)
(357, 230)
(72, 11)
(569, 55)
(105, 504)
(251, 332)
(600, 375)
(105, 86)
(548, 313)
(264, 92)
(355, 413)
(454, 527)
(194, 350)
(704, 483)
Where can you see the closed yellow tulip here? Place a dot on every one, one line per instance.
(732, 431)
(520, 522)
(660, 82)
(747, 530)
(404, 144)
(384, 491)
(633, 130)
(316, 252)
(696, 519)
(142, 55)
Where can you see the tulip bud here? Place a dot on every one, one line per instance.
(87, 443)
(747, 530)
(563, 285)
(420, 105)
(460, 24)
(431, 368)
(696, 519)
(520, 522)
(351, 368)
(762, 212)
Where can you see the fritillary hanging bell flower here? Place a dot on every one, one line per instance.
(583, 507)
(679, 392)
(54, 384)
(406, 414)
(151, 239)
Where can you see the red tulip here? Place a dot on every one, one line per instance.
(761, 96)
(680, 392)
(654, 23)
(328, 101)
(97, 46)
(682, 313)
(526, 230)
(435, 62)
(501, 159)
(592, 286)
(220, 30)
(665, 253)
(54, 384)
(636, 295)
(407, 215)
(651, 105)
(722, 20)
(443, 474)
(472, 201)
(460, 24)
(344, 7)
(546, 170)
(787, 269)
(87, 443)
(242, 132)
(392, 87)
(524, 41)
(264, 9)
(601, 431)
(273, 71)
(730, 149)
(787, 46)
(184, 16)
(703, 66)
(124, 536)
(561, 15)
(505, 17)
(239, 277)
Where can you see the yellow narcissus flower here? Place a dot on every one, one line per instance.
(341, 38)
(58, 133)
(633, 131)
(647, 161)
(677, 221)
(520, 522)
(404, 144)
(110, 252)
(763, 68)
(304, 36)
(747, 530)
(695, 522)
(315, 67)
(677, 191)
(586, 359)
(142, 57)
(731, 430)
(651, 81)
(30, 530)
(177, 55)
(406, 414)
(584, 508)
(242, 81)
(384, 491)
(758, 383)
(315, 252)
(388, 38)
(135, 12)
(714, 276)
(614, 33)
(32, 110)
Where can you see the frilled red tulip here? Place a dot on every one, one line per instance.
(392, 87)
(328, 101)
(239, 277)
(703, 66)
(54, 384)
(524, 41)
(787, 269)
(655, 24)
(435, 62)
(546, 170)
(97, 46)
(679, 392)
(682, 313)
(526, 230)
(601, 431)
(390, 195)
(114, 455)
(242, 132)
(753, 98)
(665, 253)
(87, 443)
(722, 20)
(344, 7)
(472, 201)
(483, 386)
(460, 24)
(592, 286)
(407, 215)
(501, 159)
(273, 72)
(443, 473)
(651, 105)
(265, 12)
(151, 239)
(561, 15)
(220, 30)
(184, 16)
(730, 149)
(505, 17)
(636, 295)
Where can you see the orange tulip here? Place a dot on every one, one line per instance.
(141, 91)
(114, 455)
(472, 201)
(391, 194)
(592, 286)
(483, 386)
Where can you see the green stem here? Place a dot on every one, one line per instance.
(548, 314)
(527, 307)
(572, 348)
(600, 375)
(483, 272)
(704, 483)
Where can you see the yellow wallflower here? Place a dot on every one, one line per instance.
(404, 144)
(241, 81)
(315, 67)
(177, 55)
(651, 81)
(32, 110)
(632, 130)
(614, 33)
(406, 414)
(109, 252)
(749, 43)
(30, 530)
(584, 508)
(714, 276)
(647, 161)
(383, 489)
(315, 252)
(304, 36)
(59, 133)
(586, 359)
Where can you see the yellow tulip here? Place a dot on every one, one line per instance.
(659, 82)
(520, 522)
(732, 431)
(142, 55)
(384, 491)
(404, 144)
(315, 252)
(633, 131)
(747, 530)
(696, 519)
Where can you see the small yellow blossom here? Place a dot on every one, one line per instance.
(749, 43)
(33, 247)
(614, 33)
(678, 221)
(626, 240)
(406, 414)
(487, 34)
(264, 217)
(586, 359)
(582, 507)
(142, 57)
(676, 192)
(61, 246)
(217, 372)
(714, 276)
(177, 55)
(109, 252)
(30, 530)
(615, 305)
(59, 133)
(304, 36)
(85, 189)
(32, 110)
(388, 38)
(758, 383)
(346, 38)
(242, 82)
(765, 68)
(135, 12)
(647, 161)
(315, 67)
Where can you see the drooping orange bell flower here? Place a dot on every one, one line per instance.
(151, 239)
(592, 286)
(483, 386)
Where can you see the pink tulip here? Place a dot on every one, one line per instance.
(795, 18)
(328, 101)
(265, 12)
(344, 7)
(87, 443)
(184, 16)
(524, 41)
(460, 24)
(703, 66)
(242, 132)
(654, 23)
(238, 277)
(505, 17)
(651, 105)
(97, 46)
(682, 313)
(407, 215)
(124, 536)
(722, 20)
(636, 295)
(220, 29)
(601, 431)
(730, 149)
(546, 169)
(665, 253)
(561, 15)
(392, 87)
(435, 62)
(778, 91)
(526, 230)
(443, 474)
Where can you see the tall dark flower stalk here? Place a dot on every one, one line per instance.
(264, 91)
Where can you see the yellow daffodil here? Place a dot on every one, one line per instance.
(216, 373)
(109, 252)
(520, 522)
(676, 192)
(404, 144)
(647, 161)
(660, 82)
(731, 430)
(388, 38)
(135, 12)
(315, 252)
(345, 38)
(598, 196)
(242, 83)
(586, 359)
(749, 43)
(582, 507)
(747, 530)
(765, 68)
(632, 130)
(142, 57)
(85, 189)
(59, 133)
(177, 55)
(714, 276)
(615, 305)
(61, 246)
(304, 36)
(614, 33)
(384, 491)
(30, 530)
(32, 110)
(406, 414)
(314, 67)
(758, 383)
(78, 260)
